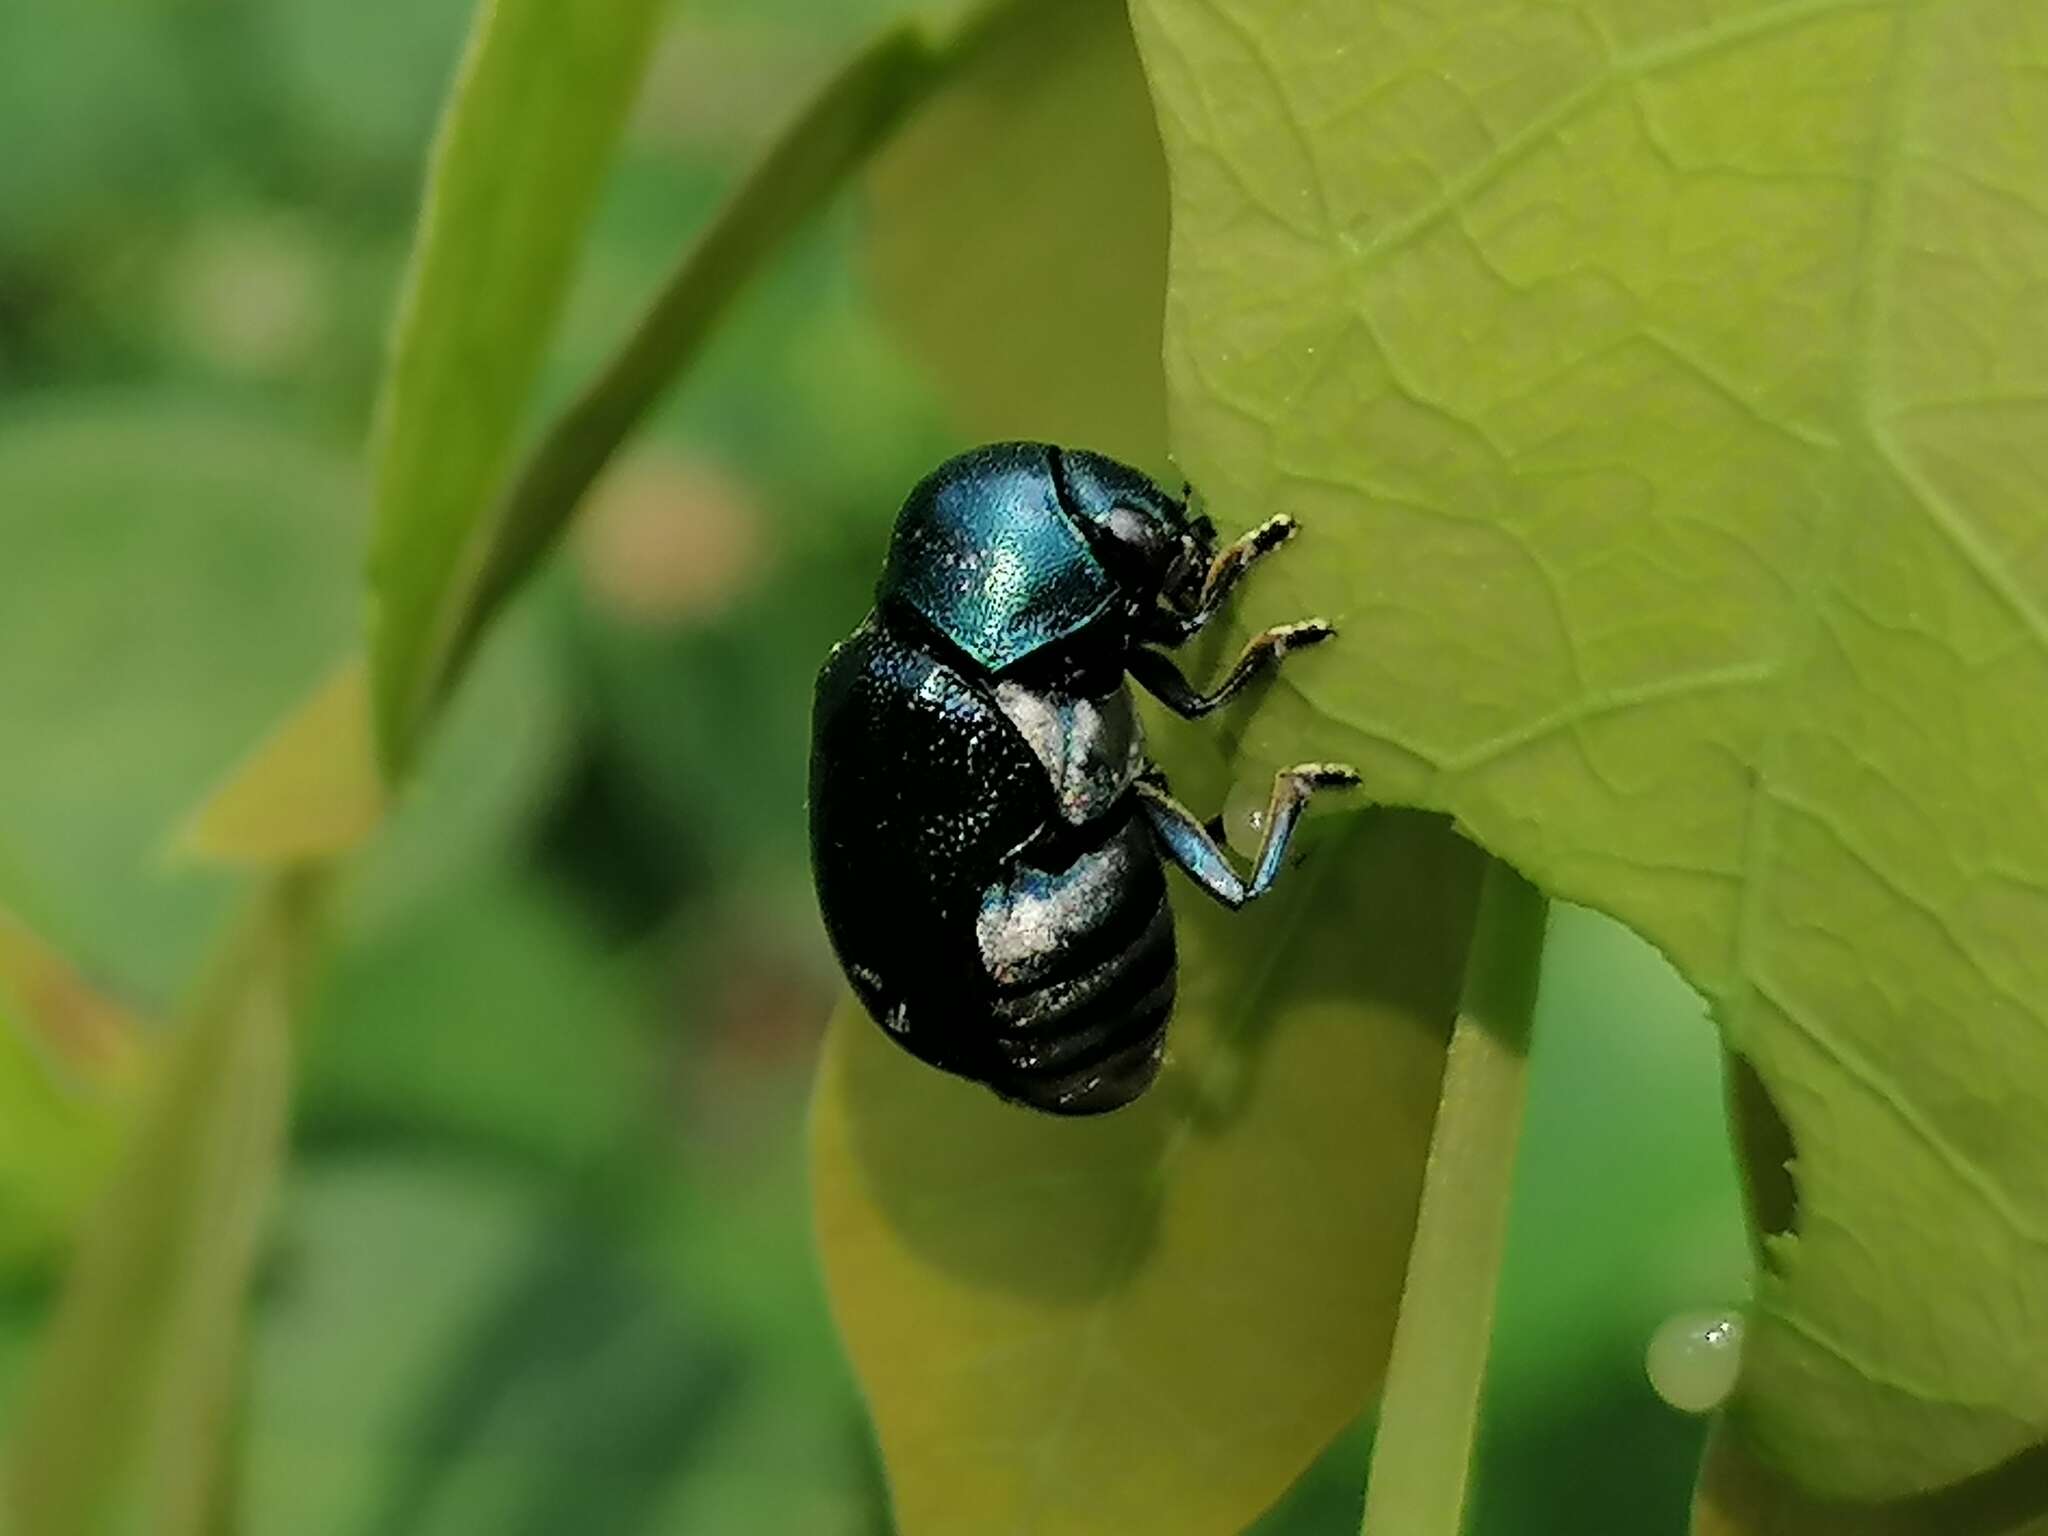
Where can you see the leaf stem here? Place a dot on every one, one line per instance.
(129, 1421)
(830, 139)
(1422, 1455)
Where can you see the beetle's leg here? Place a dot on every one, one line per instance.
(1228, 567)
(1163, 680)
(1237, 557)
(1184, 839)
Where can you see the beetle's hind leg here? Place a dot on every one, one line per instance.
(1183, 839)
(1163, 680)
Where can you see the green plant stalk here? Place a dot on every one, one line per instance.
(532, 123)
(130, 1419)
(844, 123)
(1422, 1454)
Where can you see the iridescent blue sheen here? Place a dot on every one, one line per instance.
(986, 553)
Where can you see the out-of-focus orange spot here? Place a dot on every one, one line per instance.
(668, 538)
(80, 1031)
(249, 296)
(725, 85)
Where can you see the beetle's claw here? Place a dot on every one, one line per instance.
(1326, 775)
(1299, 637)
(1272, 533)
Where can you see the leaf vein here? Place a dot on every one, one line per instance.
(1867, 1075)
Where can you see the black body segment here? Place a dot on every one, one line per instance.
(988, 835)
(921, 794)
(1083, 961)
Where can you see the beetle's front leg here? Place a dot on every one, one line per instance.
(1225, 571)
(1163, 680)
(1187, 842)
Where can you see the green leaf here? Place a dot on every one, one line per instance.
(342, 1358)
(543, 91)
(1033, 292)
(1153, 1321)
(1665, 389)
(493, 1016)
(149, 542)
(133, 1407)
(1737, 1496)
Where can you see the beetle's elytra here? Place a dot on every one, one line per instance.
(987, 833)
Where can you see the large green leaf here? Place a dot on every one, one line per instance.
(1153, 1321)
(528, 136)
(1668, 386)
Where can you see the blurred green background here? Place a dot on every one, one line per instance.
(543, 1262)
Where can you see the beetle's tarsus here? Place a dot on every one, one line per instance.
(1197, 850)
(1165, 682)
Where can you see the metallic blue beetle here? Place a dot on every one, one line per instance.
(986, 829)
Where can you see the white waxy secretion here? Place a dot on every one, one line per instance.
(1092, 748)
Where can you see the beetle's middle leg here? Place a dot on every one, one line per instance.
(1163, 680)
(1188, 843)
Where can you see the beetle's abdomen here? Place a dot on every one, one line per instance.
(1083, 962)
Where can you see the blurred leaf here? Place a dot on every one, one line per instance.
(724, 772)
(143, 140)
(1738, 1496)
(489, 1016)
(309, 789)
(739, 1238)
(1018, 236)
(68, 1066)
(363, 82)
(581, 1399)
(384, 1265)
(1664, 395)
(1153, 1321)
(536, 1363)
(527, 138)
(134, 1400)
(147, 541)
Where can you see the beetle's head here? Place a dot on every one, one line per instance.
(1144, 535)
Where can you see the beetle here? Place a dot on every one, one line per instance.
(987, 832)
